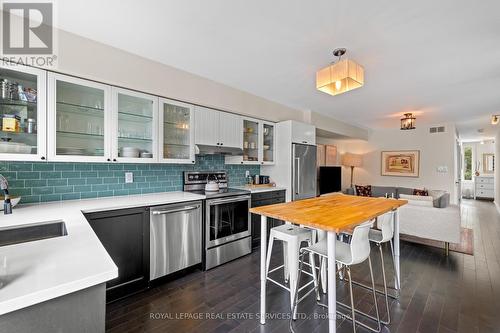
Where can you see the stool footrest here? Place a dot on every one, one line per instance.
(376, 290)
(279, 284)
(350, 318)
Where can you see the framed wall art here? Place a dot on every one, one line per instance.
(401, 163)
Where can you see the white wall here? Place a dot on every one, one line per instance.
(435, 150)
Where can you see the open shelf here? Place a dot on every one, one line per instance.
(80, 109)
(13, 102)
(82, 135)
(135, 139)
(135, 116)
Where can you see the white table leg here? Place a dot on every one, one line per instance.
(332, 297)
(396, 250)
(263, 250)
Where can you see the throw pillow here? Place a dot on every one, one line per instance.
(423, 192)
(364, 191)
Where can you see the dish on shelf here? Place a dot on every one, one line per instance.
(14, 147)
(71, 151)
(266, 147)
(14, 200)
(129, 152)
(145, 154)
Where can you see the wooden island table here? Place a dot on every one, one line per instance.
(333, 214)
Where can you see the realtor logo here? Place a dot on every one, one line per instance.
(28, 36)
(27, 28)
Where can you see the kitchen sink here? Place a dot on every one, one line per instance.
(32, 232)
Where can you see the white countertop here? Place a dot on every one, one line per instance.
(35, 272)
(260, 189)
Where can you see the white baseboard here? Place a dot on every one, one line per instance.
(497, 205)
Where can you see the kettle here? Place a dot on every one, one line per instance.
(212, 185)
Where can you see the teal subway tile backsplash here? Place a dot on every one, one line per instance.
(51, 181)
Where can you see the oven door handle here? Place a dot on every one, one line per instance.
(221, 201)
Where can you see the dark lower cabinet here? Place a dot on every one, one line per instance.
(125, 236)
(264, 199)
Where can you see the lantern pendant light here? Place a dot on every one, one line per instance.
(408, 122)
(341, 76)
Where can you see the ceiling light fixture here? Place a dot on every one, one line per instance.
(495, 119)
(341, 76)
(408, 121)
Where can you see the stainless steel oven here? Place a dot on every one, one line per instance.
(227, 219)
(227, 227)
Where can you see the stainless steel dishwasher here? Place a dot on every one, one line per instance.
(175, 238)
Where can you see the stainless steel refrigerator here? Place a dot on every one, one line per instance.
(303, 171)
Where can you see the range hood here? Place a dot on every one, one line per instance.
(211, 150)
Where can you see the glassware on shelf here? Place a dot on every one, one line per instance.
(176, 131)
(135, 126)
(79, 120)
(268, 143)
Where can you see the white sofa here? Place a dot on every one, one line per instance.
(440, 224)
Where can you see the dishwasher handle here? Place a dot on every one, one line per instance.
(174, 210)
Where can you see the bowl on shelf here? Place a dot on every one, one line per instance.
(130, 152)
(14, 200)
(266, 147)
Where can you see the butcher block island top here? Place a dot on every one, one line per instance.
(336, 213)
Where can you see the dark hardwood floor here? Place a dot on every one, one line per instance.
(459, 293)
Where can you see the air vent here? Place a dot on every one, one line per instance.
(438, 129)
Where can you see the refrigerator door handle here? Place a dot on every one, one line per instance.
(297, 175)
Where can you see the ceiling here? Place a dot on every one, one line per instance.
(440, 59)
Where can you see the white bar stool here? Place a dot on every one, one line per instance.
(379, 237)
(347, 255)
(293, 236)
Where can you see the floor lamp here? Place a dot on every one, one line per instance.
(352, 160)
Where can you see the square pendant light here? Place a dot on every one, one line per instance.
(341, 76)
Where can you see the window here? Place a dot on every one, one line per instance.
(467, 163)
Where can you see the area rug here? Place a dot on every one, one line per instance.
(466, 244)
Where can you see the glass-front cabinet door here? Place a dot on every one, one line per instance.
(135, 122)
(268, 143)
(251, 145)
(79, 119)
(22, 113)
(176, 132)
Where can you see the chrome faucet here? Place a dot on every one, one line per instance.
(4, 186)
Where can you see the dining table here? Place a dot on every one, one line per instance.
(335, 213)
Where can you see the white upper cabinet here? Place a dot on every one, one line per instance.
(206, 126)
(258, 142)
(135, 127)
(176, 132)
(303, 133)
(230, 126)
(79, 120)
(268, 134)
(217, 128)
(22, 113)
